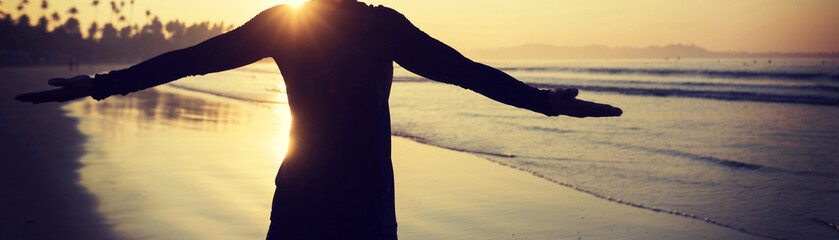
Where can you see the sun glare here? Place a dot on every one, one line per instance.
(295, 3)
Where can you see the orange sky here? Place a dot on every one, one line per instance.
(719, 25)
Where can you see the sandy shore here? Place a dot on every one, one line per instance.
(443, 194)
(40, 150)
(172, 164)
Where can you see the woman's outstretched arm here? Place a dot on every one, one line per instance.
(239, 47)
(419, 53)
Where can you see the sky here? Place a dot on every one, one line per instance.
(718, 25)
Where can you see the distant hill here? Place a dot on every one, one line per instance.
(540, 51)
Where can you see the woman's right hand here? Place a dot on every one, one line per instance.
(69, 89)
(564, 101)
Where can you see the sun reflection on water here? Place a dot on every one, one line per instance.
(179, 161)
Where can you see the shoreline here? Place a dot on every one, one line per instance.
(42, 147)
(441, 193)
(536, 174)
(488, 200)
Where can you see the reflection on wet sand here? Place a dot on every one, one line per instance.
(178, 162)
(152, 107)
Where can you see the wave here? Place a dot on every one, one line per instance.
(732, 164)
(823, 88)
(718, 161)
(716, 95)
(678, 72)
(816, 87)
(476, 152)
(726, 163)
(674, 91)
(488, 156)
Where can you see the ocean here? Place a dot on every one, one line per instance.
(748, 144)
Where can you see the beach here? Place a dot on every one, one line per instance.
(444, 194)
(170, 163)
(41, 147)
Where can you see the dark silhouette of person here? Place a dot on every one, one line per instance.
(337, 60)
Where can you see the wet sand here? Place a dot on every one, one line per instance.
(41, 148)
(175, 164)
(444, 194)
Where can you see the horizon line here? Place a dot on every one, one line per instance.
(652, 46)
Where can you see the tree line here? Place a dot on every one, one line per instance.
(56, 38)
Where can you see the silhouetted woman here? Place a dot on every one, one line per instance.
(337, 61)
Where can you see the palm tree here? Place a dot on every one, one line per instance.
(122, 15)
(95, 4)
(131, 19)
(113, 10)
(73, 11)
(22, 5)
(72, 27)
(56, 19)
(43, 23)
(77, 29)
(44, 6)
(91, 32)
(23, 19)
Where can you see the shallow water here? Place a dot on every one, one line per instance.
(748, 145)
(174, 165)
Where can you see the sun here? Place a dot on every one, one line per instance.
(295, 3)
